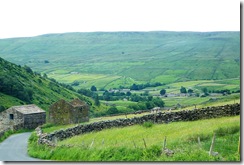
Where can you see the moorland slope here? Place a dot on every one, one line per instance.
(113, 59)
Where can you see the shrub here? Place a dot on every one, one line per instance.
(147, 124)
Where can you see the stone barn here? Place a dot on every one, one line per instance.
(63, 112)
(25, 116)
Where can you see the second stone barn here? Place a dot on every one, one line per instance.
(63, 112)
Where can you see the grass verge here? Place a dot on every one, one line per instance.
(11, 132)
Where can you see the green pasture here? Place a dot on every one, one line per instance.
(120, 102)
(85, 80)
(141, 57)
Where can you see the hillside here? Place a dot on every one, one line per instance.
(113, 59)
(20, 85)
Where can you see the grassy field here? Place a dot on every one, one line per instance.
(109, 60)
(144, 143)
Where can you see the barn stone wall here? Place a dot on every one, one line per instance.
(34, 120)
(166, 117)
(6, 122)
(63, 112)
(20, 120)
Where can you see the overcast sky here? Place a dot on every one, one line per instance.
(21, 18)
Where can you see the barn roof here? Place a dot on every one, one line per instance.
(28, 109)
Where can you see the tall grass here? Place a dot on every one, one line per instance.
(140, 143)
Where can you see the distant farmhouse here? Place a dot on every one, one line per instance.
(25, 116)
(63, 112)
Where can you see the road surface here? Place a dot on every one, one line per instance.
(14, 148)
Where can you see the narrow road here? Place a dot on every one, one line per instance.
(14, 148)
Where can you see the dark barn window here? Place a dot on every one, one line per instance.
(11, 116)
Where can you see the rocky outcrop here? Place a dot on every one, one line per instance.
(165, 117)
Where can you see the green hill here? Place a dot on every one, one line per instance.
(20, 85)
(113, 59)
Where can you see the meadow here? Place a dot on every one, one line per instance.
(145, 142)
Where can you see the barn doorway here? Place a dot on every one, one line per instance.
(11, 116)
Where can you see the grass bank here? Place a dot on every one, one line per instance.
(144, 143)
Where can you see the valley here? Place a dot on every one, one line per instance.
(126, 75)
(112, 59)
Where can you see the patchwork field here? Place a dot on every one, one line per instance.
(113, 59)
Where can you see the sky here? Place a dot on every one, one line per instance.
(24, 18)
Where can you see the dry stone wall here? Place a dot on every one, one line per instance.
(165, 117)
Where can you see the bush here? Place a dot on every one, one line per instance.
(147, 124)
(113, 110)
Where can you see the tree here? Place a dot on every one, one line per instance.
(158, 102)
(182, 89)
(45, 75)
(113, 110)
(86, 92)
(146, 93)
(190, 91)
(128, 93)
(150, 98)
(106, 96)
(46, 61)
(205, 90)
(97, 102)
(134, 87)
(28, 69)
(93, 88)
(149, 105)
(136, 98)
(162, 92)
(75, 83)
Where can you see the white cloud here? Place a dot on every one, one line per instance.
(35, 17)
